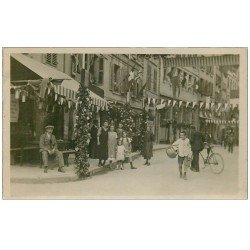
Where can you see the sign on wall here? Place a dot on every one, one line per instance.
(14, 108)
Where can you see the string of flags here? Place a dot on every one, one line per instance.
(62, 95)
(162, 103)
(219, 121)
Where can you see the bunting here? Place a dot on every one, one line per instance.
(201, 104)
(187, 104)
(180, 103)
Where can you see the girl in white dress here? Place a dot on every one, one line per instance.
(120, 155)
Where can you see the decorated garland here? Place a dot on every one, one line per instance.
(82, 126)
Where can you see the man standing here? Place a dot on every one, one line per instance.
(197, 145)
(48, 146)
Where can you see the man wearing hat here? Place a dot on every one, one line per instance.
(48, 146)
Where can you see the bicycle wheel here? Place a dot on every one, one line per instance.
(216, 163)
(202, 162)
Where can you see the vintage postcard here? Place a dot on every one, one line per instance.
(125, 123)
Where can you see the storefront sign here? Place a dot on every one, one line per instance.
(14, 108)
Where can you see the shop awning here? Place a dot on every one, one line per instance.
(33, 70)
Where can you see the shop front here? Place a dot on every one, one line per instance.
(41, 95)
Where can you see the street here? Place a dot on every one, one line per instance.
(158, 181)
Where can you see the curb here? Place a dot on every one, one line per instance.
(73, 178)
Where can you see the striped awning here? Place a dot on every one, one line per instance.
(67, 88)
(213, 60)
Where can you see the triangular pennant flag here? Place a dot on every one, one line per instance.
(207, 105)
(194, 103)
(55, 96)
(169, 102)
(174, 102)
(187, 104)
(219, 105)
(162, 101)
(153, 100)
(180, 103)
(212, 104)
(201, 104)
(149, 100)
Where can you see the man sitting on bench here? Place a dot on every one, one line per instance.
(48, 146)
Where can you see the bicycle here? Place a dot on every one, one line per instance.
(214, 160)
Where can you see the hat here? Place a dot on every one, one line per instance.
(49, 126)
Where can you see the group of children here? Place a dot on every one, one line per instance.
(123, 152)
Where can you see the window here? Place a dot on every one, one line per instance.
(155, 80)
(148, 77)
(51, 59)
(100, 73)
(115, 79)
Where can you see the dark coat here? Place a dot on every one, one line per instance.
(197, 141)
(103, 147)
(93, 143)
(46, 143)
(147, 150)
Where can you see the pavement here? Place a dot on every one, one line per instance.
(33, 174)
(160, 180)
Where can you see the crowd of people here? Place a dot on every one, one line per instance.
(112, 147)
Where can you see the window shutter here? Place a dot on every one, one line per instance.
(124, 80)
(48, 58)
(54, 60)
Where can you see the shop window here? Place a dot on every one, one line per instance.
(51, 59)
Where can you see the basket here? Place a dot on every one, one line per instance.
(171, 152)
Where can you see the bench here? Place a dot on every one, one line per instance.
(65, 154)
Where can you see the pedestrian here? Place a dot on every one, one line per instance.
(93, 152)
(102, 141)
(112, 144)
(48, 146)
(197, 145)
(184, 153)
(120, 155)
(126, 142)
(208, 140)
(147, 150)
(230, 141)
(119, 131)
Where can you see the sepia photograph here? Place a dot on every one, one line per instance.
(117, 123)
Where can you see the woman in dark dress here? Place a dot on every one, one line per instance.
(93, 141)
(147, 151)
(102, 141)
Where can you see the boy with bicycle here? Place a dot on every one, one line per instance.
(184, 154)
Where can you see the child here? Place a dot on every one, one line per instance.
(126, 142)
(184, 153)
(120, 154)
